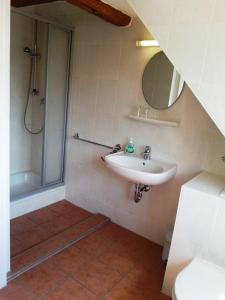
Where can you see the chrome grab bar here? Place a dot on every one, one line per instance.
(77, 137)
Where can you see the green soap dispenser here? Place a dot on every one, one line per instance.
(129, 148)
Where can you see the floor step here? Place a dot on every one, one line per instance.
(59, 242)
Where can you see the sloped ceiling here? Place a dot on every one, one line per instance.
(192, 34)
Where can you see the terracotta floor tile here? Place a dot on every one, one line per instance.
(140, 243)
(71, 261)
(118, 260)
(78, 229)
(94, 245)
(94, 221)
(47, 213)
(146, 279)
(104, 236)
(16, 246)
(59, 204)
(21, 224)
(164, 297)
(41, 279)
(134, 243)
(35, 252)
(115, 231)
(76, 214)
(49, 245)
(56, 225)
(63, 207)
(15, 292)
(126, 290)
(24, 259)
(42, 215)
(92, 268)
(71, 290)
(33, 236)
(151, 259)
(71, 233)
(124, 239)
(98, 277)
(36, 227)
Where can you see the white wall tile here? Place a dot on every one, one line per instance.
(101, 102)
(107, 75)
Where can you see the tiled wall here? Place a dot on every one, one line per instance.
(105, 87)
(192, 35)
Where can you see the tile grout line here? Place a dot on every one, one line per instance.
(54, 235)
(73, 277)
(57, 250)
(59, 284)
(95, 258)
(122, 277)
(112, 268)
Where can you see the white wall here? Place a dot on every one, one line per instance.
(192, 35)
(199, 228)
(106, 86)
(4, 137)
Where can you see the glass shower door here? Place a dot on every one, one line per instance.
(40, 58)
(59, 42)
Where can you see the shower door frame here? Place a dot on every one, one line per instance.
(61, 182)
(44, 139)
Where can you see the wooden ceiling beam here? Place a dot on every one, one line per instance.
(103, 10)
(95, 7)
(22, 3)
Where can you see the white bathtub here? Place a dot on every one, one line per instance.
(23, 183)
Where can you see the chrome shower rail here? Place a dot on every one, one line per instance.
(77, 137)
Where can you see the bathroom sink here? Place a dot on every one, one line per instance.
(137, 170)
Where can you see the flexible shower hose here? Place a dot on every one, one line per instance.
(28, 100)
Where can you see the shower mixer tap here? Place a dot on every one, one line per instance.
(32, 53)
(42, 101)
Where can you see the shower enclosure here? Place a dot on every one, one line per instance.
(40, 65)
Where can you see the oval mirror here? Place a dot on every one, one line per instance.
(161, 83)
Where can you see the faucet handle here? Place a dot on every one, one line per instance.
(147, 149)
(116, 148)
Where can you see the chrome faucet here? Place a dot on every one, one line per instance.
(147, 153)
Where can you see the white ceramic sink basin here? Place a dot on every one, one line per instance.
(138, 170)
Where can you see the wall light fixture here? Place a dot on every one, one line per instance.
(147, 43)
